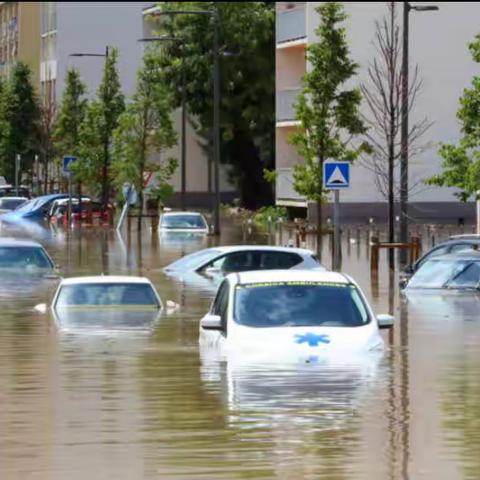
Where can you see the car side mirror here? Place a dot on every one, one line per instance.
(211, 271)
(385, 321)
(211, 322)
(409, 270)
(41, 308)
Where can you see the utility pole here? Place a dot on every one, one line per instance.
(404, 214)
(216, 119)
(404, 138)
(106, 151)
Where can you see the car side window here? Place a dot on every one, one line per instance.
(220, 304)
(431, 254)
(279, 260)
(464, 247)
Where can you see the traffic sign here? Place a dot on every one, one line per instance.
(67, 163)
(129, 193)
(336, 175)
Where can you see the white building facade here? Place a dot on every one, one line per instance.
(89, 27)
(438, 44)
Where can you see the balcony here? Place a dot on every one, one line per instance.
(285, 193)
(285, 99)
(291, 25)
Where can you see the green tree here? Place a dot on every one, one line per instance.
(327, 110)
(71, 114)
(247, 66)
(145, 128)
(96, 132)
(20, 114)
(461, 162)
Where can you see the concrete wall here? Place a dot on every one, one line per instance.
(91, 26)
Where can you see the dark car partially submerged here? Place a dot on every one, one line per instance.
(455, 272)
(455, 244)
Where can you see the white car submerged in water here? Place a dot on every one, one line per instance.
(183, 222)
(304, 315)
(105, 303)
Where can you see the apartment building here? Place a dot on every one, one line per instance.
(69, 28)
(19, 32)
(438, 46)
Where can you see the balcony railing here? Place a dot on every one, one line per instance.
(291, 25)
(285, 104)
(284, 186)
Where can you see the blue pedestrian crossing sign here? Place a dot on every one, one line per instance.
(336, 175)
(67, 163)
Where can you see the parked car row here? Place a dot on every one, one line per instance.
(286, 303)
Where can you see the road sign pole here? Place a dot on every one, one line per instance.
(17, 172)
(69, 214)
(337, 241)
(336, 176)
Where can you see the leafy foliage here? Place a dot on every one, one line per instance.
(101, 119)
(328, 112)
(145, 128)
(274, 213)
(461, 162)
(19, 114)
(247, 87)
(71, 114)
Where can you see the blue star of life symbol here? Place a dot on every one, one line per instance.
(312, 339)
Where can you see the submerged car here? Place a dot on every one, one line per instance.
(10, 191)
(7, 204)
(24, 258)
(455, 244)
(35, 209)
(105, 303)
(59, 209)
(192, 222)
(304, 314)
(241, 258)
(459, 271)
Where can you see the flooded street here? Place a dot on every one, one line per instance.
(150, 405)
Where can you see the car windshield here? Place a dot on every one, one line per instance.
(107, 294)
(299, 304)
(25, 258)
(454, 273)
(193, 221)
(194, 260)
(10, 203)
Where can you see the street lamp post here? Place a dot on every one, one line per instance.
(184, 115)
(404, 214)
(213, 13)
(106, 146)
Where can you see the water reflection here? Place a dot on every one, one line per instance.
(148, 404)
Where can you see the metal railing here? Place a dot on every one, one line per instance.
(291, 24)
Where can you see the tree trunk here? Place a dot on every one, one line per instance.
(391, 147)
(248, 168)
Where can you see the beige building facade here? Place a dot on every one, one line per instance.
(19, 36)
(438, 45)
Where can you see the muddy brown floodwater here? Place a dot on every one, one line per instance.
(145, 405)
